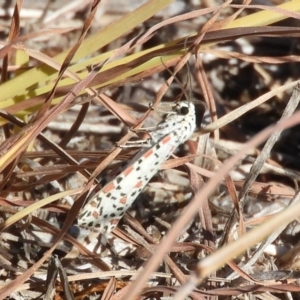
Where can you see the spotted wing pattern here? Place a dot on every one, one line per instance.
(104, 210)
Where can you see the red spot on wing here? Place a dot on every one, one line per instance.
(139, 184)
(95, 215)
(148, 153)
(114, 221)
(109, 187)
(127, 171)
(123, 200)
(166, 139)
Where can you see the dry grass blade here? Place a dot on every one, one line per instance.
(68, 60)
(15, 27)
(265, 153)
(71, 96)
(109, 290)
(93, 43)
(223, 255)
(281, 219)
(26, 211)
(21, 145)
(256, 168)
(247, 107)
(55, 268)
